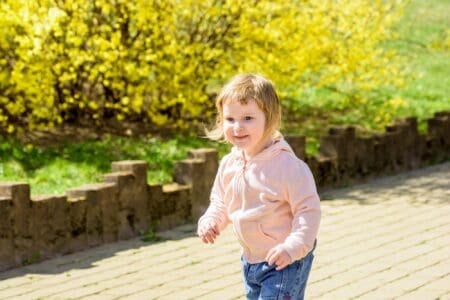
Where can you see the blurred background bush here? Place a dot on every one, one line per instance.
(86, 82)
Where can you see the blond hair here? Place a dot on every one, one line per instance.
(243, 88)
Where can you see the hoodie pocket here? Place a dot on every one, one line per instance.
(254, 236)
(265, 234)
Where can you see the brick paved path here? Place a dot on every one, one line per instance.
(388, 239)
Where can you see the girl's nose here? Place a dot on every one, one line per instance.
(238, 126)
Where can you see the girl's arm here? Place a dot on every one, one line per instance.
(305, 205)
(215, 219)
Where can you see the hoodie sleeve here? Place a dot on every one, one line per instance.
(216, 212)
(301, 193)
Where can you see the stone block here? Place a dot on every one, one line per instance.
(50, 225)
(383, 156)
(136, 167)
(198, 171)
(365, 156)
(395, 148)
(176, 206)
(101, 211)
(340, 144)
(156, 202)
(110, 212)
(7, 253)
(191, 172)
(77, 223)
(298, 144)
(414, 143)
(210, 158)
(324, 169)
(439, 132)
(131, 179)
(126, 205)
(19, 193)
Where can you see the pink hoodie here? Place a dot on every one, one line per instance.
(271, 199)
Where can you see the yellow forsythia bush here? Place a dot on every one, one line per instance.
(159, 60)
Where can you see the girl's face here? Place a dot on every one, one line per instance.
(244, 126)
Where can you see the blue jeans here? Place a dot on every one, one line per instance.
(262, 281)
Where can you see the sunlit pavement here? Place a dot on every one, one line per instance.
(387, 239)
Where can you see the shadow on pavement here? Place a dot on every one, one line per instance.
(89, 258)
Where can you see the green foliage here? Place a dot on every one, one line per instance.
(159, 61)
(151, 236)
(421, 35)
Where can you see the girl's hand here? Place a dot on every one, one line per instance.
(278, 256)
(209, 234)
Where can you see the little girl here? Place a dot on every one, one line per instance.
(264, 190)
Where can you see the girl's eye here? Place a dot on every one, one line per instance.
(229, 119)
(248, 118)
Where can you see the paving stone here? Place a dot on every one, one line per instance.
(386, 239)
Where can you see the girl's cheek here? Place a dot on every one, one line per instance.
(227, 127)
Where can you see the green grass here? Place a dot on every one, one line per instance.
(423, 37)
(52, 170)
